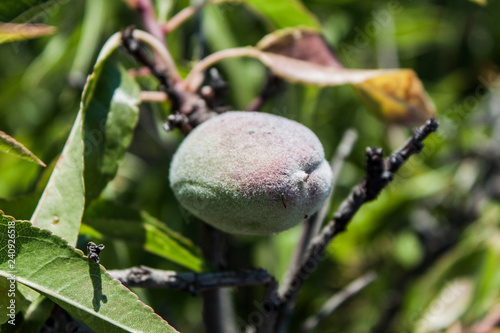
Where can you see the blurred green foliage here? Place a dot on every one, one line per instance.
(437, 223)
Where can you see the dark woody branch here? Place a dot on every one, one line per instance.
(188, 109)
(379, 173)
(146, 277)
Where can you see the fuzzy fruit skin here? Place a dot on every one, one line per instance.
(251, 173)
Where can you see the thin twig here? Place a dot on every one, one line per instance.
(146, 277)
(153, 96)
(146, 9)
(218, 312)
(132, 46)
(269, 305)
(313, 224)
(188, 109)
(270, 89)
(181, 17)
(195, 76)
(163, 54)
(139, 72)
(379, 173)
(338, 299)
(186, 14)
(343, 151)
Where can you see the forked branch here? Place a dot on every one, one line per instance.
(379, 173)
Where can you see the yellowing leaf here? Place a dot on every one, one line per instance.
(397, 97)
(302, 56)
(12, 32)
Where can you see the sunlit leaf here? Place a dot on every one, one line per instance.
(60, 208)
(108, 114)
(12, 32)
(398, 97)
(9, 145)
(48, 264)
(113, 221)
(284, 13)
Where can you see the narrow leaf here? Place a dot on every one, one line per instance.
(112, 221)
(396, 97)
(48, 264)
(23, 11)
(13, 32)
(290, 69)
(9, 145)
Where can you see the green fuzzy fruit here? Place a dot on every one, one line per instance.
(251, 173)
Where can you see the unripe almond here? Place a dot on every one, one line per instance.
(251, 173)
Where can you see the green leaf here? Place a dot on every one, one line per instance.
(10, 294)
(22, 207)
(60, 208)
(25, 10)
(35, 316)
(90, 37)
(284, 13)
(108, 114)
(9, 145)
(48, 264)
(12, 32)
(109, 220)
(245, 78)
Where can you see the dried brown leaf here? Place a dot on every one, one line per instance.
(302, 44)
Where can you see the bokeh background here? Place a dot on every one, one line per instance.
(432, 237)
